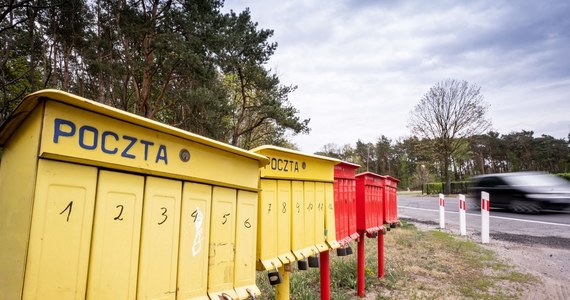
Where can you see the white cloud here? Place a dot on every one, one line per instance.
(361, 66)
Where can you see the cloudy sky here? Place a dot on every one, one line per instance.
(361, 66)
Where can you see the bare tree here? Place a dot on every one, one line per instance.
(448, 113)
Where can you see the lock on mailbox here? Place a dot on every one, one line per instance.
(302, 265)
(274, 277)
(314, 261)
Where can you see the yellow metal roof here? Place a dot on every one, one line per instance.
(293, 152)
(294, 165)
(30, 102)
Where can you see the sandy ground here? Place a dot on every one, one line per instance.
(547, 258)
(551, 265)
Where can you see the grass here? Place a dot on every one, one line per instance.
(418, 265)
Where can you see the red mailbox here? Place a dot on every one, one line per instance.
(369, 202)
(345, 202)
(390, 185)
(370, 218)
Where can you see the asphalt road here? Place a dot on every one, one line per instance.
(550, 228)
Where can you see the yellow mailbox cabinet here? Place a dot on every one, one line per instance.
(296, 207)
(96, 203)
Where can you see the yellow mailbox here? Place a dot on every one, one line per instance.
(97, 203)
(296, 190)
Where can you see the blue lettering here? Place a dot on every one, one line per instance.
(104, 142)
(82, 137)
(125, 152)
(57, 130)
(110, 142)
(146, 144)
(161, 155)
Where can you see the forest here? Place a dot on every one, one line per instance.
(415, 162)
(187, 64)
(182, 63)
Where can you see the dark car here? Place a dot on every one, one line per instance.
(526, 192)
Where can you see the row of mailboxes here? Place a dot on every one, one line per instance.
(370, 202)
(97, 203)
(101, 204)
(296, 207)
(390, 185)
(376, 207)
(345, 202)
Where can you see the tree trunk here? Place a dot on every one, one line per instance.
(447, 176)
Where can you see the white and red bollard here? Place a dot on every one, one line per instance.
(462, 215)
(441, 211)
(485, 208)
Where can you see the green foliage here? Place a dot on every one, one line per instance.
(415, 162)
(448, 114)
(457, 187)
(418, 265)
(564, 175)
(432, 188)
(183, 63)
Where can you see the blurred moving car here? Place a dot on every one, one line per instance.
(524, 192)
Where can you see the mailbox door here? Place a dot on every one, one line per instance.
(159, 239)
(380, 196)
(60, 235)
(351, 199)
(114, 259)
(222, 243)
(390, 206)
(330, 226)
(360, 204)
(339, 205)
(267, 218)
(394, 206)
(194, 241)
(310, 238)
(345, 219)
(370, 192)
(386, 206)
(284, 221)
(245, 245)
(369, 208)
(297, 219)
(320, 217)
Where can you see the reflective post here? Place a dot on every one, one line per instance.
(462, 216)
(485, 208)
(441, 211)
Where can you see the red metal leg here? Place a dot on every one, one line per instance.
(380, 254)
(361, 266)
(325, 276)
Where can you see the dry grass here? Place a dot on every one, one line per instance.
(418, 265)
